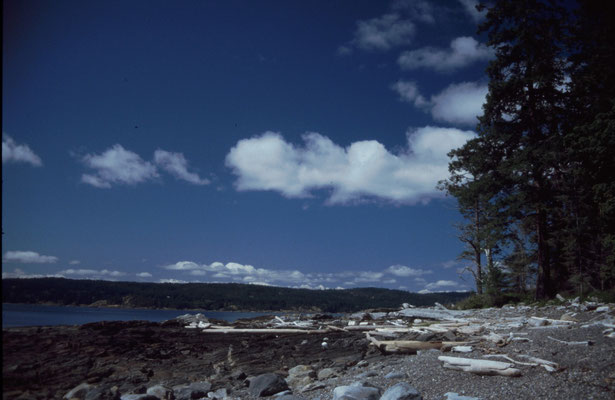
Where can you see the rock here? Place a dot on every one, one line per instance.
(356, 392)
(326, 373)
(219, 394)
(79, 391)
(455, 396)
(569, 317)
(313, 386)
(395, 375)
(401, 391)
(194, 390)
(367, 374)
(142, 396)
(162, 392)
(602, 309)
(267, 385)
(560, 297)
(289, 397)
(300, 375)
(362, 363)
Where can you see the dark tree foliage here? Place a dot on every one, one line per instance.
(211, 296)
(537, 186)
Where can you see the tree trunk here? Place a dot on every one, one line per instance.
(477, 254)
(543, 280)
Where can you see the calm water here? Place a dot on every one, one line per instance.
(39, 315)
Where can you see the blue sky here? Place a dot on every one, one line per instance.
(285, 143)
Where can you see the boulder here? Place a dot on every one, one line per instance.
(401, 391)
(190, 391)
(326, 373)
(267, 385)
(395, 375)
(162, 392)
(356, 391)
(300, 375)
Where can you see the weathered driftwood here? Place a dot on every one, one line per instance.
(442, 315)
(410, 346)
(581, 343)
(263, 330)
(550, 366)
(480, 367)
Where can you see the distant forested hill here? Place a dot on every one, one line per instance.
(210, 296)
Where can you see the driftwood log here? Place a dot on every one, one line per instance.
(410, 346)
(480, 367)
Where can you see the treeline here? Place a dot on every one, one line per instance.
(211, 296)
(537, 186)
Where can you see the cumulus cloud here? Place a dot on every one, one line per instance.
(177, 165)
(404, 271)
(21, 274)
(383, 33)
(470, 8)
(365, 169)
(459, 103)
(117, 165)
(74, 262)
(92, 272)
(462, 52)
(409, 92)
(442, 284)
(144, 275)
(171, 281)
(13, 152)
(28, 257)
(398, 275)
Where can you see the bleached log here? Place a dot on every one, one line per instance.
(263, 330)
(462, 349)
(548, 321)
(480, 367)
(441, 315)
(410, 346)
(504, 356)
(581, 343)
(550, 366)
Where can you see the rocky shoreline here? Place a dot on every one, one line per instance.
(387, 354)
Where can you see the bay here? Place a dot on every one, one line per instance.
(15, 315)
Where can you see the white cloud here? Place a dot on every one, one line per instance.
(13, 152)
(404, 271)
(365, 169)
(384, 32)
(92, 272)
(442, 284)
(144, 275)
(171, 281)
(117, 165)
(462, 52)
(20, 274)
(28, 257)
(415, 9)
(408, 91)
(182, 266)
(177, 165)
(459, 103)
(470, 8)
(74, 262)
